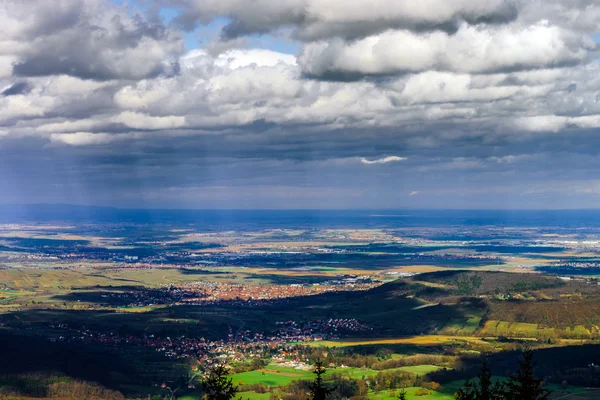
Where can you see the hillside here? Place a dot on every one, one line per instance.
(468, 302)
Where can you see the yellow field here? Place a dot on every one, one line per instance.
(424, 340)
(42, 280)
(432, 284)
(504, 328)
(419, 268)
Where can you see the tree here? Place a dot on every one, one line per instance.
(181, 383)
(257, 363)
(483, 388)
(217, 386)
(362, 389)
(467, 392)
(524, 385)
(319, 391)
(402, 394)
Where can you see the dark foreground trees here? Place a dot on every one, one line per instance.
(218, 386)
(524, 385)
(318, 391)
(482, 389)
(521, 386)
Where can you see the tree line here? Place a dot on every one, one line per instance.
(522, 385)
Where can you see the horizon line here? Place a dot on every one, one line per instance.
(125, 208)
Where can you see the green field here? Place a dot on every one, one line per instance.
(462, 326)
(276, 375)
(253, 396)
(411, 394)
(573, 392)
(272, 375)
(420, 369)
(521, 329)
(578, 330)
(498, 328)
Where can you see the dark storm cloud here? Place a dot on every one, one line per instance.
(17, 88)
(433, 103)
(314, 20)
(75, 64)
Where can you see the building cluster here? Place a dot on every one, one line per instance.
(216, 291)
(321, 329)
(285, 343)
(220, 293)
(150, 297)
(576, 264)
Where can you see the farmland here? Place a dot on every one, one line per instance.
(384, 308)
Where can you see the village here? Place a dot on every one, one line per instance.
(221, 293)
(285, 343)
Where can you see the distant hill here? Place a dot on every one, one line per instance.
(467, 303)
(54, 212)
(489, 282)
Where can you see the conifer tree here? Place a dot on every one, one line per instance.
(523, 385)
(483, 389)
(402, 394)
(217, 386)
(318, 390)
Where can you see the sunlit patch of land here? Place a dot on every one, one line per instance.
(424, 340)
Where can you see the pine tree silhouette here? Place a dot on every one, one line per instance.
(483, 388)
(524, 385)
(217, 386)
(317, 390)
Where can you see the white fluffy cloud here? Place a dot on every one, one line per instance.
(556, 123)
(83, 138)
(18, 106)
(473, 49)
(142, 121)
(383, 160)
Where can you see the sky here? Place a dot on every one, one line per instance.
(271, 104)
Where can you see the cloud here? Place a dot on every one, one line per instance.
(488, 98)
(239, 58)
(83, 138)
(318, 19)
(142, 121)
(414, 193)
(472, 49)
(70, 126)
(384, 160)
(22, 106)
(89, 39)
(17, 88)
(514, 159)
(557, 123)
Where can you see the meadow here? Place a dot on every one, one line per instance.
(272, 375)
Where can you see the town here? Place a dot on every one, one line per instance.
(284, 343)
